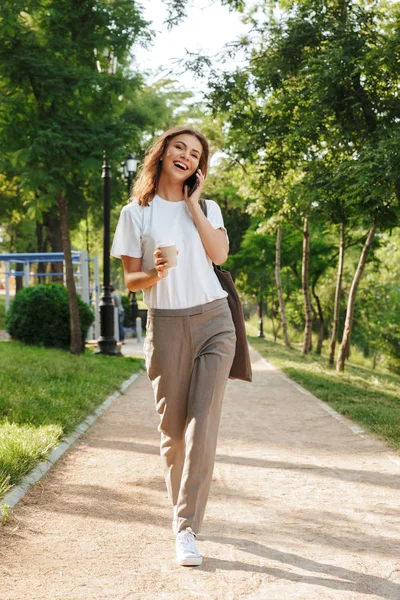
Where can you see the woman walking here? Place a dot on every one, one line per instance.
(190, 341)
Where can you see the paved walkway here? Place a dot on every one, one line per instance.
(301, 508)
(132, 347)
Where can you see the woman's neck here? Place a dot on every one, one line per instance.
(169, 190)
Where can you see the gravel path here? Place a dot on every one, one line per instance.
(301, 508)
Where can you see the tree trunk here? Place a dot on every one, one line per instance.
(260, 315)
(307, 343)
(345, 345)
(275, 329)
(321, 333)
(88, 245)
(338, 291)
(54, 236)
(39, 243)
(76, 340)
(279, 285)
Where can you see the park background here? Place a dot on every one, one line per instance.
(300, 102)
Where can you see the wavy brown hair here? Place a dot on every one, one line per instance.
(146, 183)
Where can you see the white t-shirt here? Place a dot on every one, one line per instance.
(141, 228)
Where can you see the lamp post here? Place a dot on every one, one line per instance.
(107, 343)
(129, 166)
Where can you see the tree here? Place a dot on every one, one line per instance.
(279, 284)
(377, 311)
(223, 186)
(338, 291)
(312, 100)
(60, 106)
(253, 267)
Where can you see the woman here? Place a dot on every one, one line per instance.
(190, 341)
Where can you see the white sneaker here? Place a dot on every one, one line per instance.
(187, 554)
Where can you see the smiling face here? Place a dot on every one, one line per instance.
(182, 156)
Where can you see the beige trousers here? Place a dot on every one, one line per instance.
(189, 353)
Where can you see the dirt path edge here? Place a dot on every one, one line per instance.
(11, 498)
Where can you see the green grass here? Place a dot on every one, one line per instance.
(368, 397)
(44, 394)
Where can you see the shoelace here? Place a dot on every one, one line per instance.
(186, 542)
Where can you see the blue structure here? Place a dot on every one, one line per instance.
(79, 258)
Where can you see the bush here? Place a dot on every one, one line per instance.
(39, 315)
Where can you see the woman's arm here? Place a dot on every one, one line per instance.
(136, 279)
(214, 240)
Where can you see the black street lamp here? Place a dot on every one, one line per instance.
(107, 343)
(129, 166)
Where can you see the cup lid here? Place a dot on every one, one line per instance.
(165, 244)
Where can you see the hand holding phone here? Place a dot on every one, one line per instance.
(192, 182)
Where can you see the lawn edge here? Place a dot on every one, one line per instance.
(11, 498)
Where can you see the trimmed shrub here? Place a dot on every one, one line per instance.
(39, 315)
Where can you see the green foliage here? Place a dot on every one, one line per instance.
(39, 315)
(253, 265)
(223, 186)
(56, 57)
(377, 311)
(312, 102)
(312, 117)
(17, 457)
(68, 91)
(5, 512)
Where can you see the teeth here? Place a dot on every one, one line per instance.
(181, 165)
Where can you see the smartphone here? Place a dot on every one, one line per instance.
(192, 182)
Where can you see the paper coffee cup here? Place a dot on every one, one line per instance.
(168, 251)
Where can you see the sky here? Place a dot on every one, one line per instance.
(207, 28)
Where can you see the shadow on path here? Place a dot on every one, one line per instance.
(351, 580)
(361, 476)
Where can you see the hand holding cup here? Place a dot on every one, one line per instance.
(165, 258)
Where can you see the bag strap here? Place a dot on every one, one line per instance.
(203, 206)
